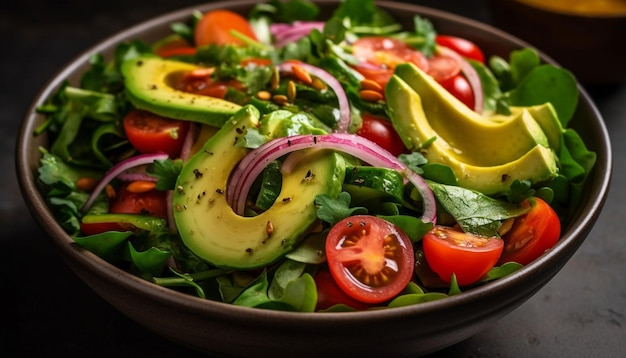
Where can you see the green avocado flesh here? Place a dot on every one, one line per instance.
(149, 86)
(214, 232)
(486, 153)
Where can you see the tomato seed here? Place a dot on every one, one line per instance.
(141, 186)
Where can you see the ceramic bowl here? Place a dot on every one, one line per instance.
(228, 330)
(585, 36)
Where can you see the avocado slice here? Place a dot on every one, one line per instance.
(149, 86)
(486, 153)
(210, 227)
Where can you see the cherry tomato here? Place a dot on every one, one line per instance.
(461, 89)
(151, 202)
(466, 255)
(443, 68)
(532, 234)
(200, 82)
(370, 259)
(330, 294)
(150, 133)
(98, 228)
(380, 131)
(174, 46)
(462, 46)
(379, 56)
(215, 26)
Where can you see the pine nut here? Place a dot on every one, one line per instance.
(367, 84)
(141, 186)
(86, 184)
(301, 74)
(370, 96)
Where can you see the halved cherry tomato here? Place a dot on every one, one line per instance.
(98, 228)
(150, 133)
(370, 258)
(443, 68)
(468, 256)
(201, 82)
(460, 88)
(215, 26)
(380, 131)
(151, 202)
(379, 55)
(174, 46)
(462, 46)
(329, 294)
(532, 234)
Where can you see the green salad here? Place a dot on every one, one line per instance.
(277, 160)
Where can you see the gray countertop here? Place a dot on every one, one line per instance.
(579, 313)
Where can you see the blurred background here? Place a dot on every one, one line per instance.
(579, 313)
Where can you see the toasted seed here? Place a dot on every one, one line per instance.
(301, 74)
(370, 96)
(319, 84)
(109, 190)
(367, 84)
(141, 186)
(200, 73)
(275, 79)
(264, 95)
(86, 184)
(280, 99)
(291, 91)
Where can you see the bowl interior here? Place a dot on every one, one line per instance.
(221, 328)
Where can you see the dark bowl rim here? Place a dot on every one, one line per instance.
(572, 238)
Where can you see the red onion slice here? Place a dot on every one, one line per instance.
(470, 74)
(342, 98)
(119, 168)
(369, 152)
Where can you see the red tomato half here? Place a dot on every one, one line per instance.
(98, 228)
(460, 88)
(531, 234)
(379, 56)
(152, 202)
(370, 258)
(215, 26)
(380, 131)
(330, 294)
(466, 255)
(462, 46)
(150, 133)
(443, 68)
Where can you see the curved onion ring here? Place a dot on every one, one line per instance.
(251, 166)
(342, 98)
(117, 170)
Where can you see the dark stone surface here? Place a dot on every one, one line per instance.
(48, 310)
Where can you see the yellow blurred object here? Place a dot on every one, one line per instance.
(584, 36)
(582, 7)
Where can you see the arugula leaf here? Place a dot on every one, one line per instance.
(333, 210)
